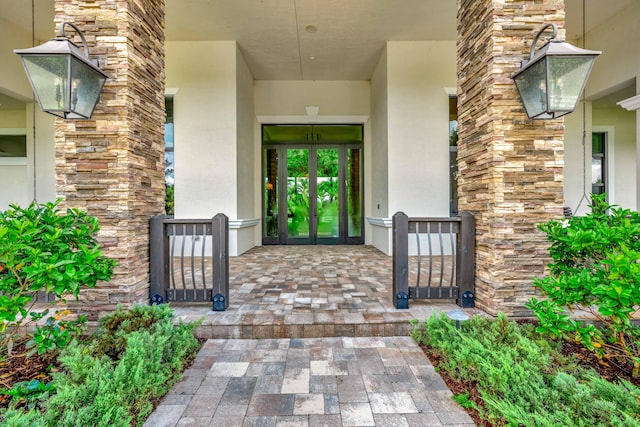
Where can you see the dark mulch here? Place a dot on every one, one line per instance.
(18, 368)
(608, 368)
(458, 387)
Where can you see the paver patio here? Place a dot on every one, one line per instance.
(310, 292)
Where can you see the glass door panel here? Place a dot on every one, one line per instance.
(327, 193)
(298, 193)
(270, 167)
(354, 195)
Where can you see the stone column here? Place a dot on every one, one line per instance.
(511, 168)
(113, 164)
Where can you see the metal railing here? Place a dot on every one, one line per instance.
(443, 264)
(189, 260)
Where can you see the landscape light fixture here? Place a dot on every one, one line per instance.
(551, 82)
(66, 82)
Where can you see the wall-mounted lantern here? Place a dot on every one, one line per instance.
(67, 83)
(551, 82)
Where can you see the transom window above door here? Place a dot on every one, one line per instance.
(309, 133)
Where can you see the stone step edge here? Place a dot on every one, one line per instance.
(325, 330)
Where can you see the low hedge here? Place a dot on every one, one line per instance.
(112, 379)
(523, 379)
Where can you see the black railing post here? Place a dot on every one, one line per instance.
(400, 260)
(220, 237)
(466, 244)
(158, 260)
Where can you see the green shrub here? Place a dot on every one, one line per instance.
(43, 250)
(169, 197)
(595, 268)
(110, 338)
(29, 393)
(97, 389)
(18, 418)
(523, 379)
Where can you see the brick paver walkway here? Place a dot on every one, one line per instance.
(332, 349)
(347, 381)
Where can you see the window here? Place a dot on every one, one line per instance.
(168, 156)
(13, 145)
(598, 162)
(453, 156)
(168, 142)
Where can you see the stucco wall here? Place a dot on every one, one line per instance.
(13, 175)
(13, 80)
(418, 126)
(206, 130)
(379, 140)
(246, 122)
(619, 40)
(19, 179)
(575, 186)
(621, 153)
(618, 66)
(289, 97)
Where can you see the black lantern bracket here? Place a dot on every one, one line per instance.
(65, 80)
(85, 47)
(554, 34)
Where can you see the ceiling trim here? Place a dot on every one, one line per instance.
(631, 104)
(289, 120)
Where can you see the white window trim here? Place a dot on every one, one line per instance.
(334, 120)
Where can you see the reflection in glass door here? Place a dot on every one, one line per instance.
(270, 205)
(354, 195)
(327, 194)
(298, 193)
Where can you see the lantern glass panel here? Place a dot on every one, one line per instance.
(86, 84)
(48, 76)
(532, 86)
(567, 76)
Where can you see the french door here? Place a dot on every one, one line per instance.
(312, 193)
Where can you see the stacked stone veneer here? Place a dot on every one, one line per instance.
(511, 168)
(113, 164)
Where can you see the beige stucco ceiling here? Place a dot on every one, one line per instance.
(346, 46)
(350, 33)
(271, 33)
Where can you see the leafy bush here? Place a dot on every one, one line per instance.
(30, 393)
(169, 197)
(595, 268)
(43, 250)
(93, 389)
(522, 378)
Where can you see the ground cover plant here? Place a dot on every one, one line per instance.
(114, 377)
(510, 374)
(557, 370)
